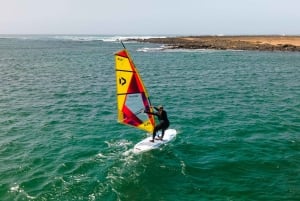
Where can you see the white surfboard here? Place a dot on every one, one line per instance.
(146, 145)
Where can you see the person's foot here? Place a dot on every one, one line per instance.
(151, 140)
(160, 138)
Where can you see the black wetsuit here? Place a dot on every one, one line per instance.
(163, 122)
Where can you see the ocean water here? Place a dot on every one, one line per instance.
(237, 114)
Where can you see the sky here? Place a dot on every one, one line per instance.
(151, 17)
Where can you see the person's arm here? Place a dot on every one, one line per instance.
(156, 108)
(148, 112)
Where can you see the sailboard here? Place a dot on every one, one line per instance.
(146, 145)
(133, 98)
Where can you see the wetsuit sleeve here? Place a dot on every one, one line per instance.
(153, 113)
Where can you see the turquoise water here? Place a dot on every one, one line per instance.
(237, 114)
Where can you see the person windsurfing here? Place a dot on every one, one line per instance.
(163, 121)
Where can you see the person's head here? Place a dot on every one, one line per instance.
(160, 108)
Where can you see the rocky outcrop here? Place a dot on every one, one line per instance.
(225, 43)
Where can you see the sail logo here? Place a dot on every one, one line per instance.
(147, 124)
(122, 81)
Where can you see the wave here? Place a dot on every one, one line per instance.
(104, 38)
(172, 49)
(125, 38)
(152, 49)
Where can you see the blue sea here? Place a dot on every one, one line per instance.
(237, 114)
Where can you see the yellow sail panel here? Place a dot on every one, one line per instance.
(120, 103)
(123, 81)
(123, 63)
(132, 97)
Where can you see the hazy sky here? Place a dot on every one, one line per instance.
(187, 17)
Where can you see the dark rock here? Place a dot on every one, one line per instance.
(219, 43)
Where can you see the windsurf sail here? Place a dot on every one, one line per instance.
(132, 97)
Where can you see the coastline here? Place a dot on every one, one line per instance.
(259, 43)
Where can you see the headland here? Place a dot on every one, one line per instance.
(259, 43)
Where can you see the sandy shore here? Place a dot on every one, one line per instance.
(262, 43)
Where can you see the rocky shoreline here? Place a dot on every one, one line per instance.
(259, 43)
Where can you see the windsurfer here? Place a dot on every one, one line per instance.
(163, 121)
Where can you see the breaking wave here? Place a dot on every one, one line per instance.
(104, 38)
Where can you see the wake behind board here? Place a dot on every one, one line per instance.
(146, 145)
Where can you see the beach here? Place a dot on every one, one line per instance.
(261, 43)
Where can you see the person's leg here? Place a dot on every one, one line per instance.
(162, 133)
(164, 128)
(156, 128)
(154, 133)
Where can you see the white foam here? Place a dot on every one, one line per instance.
(104, 38)
(125, 38)
(16, 188)
(148, 49)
